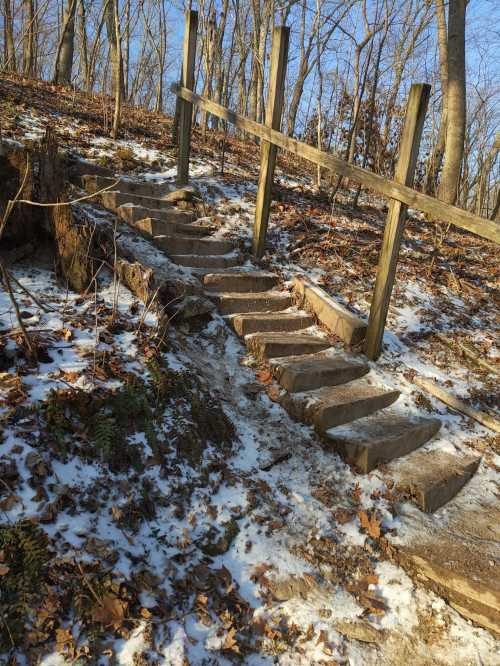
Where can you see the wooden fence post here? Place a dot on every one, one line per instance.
(274, 109)
(186, 108)
(394, 226)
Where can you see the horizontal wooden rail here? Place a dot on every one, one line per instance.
(389, 188)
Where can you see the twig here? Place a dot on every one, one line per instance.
(468, 353)
(27, 339)
(116, 277)
(66, 203)
(93, 592)
(455, 403)
(32, 296)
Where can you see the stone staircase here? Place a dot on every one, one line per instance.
(336, 393)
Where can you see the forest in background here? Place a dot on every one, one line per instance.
(351, 63)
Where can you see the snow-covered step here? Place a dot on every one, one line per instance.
(94, 183)
(189, 245)
(273, 345)
(433, 478)
(334, 405)
(250, 281)
(458, 556)
(132, 214)
(154, 227)
(264, 301)
(381, 438)
(114, 199)
(265, 322)
(215, 262)
(296, 373)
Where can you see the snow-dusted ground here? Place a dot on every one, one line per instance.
(299, 572)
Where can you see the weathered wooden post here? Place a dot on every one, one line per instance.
(274, 109)
(186, 108)
(394, 226)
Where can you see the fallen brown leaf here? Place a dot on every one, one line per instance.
(110, 612)
(265, 376)
(370, 523)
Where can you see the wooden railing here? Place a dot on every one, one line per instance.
(398, 190)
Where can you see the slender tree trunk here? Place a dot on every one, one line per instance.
(495, 213)
(208, 61)
(320, 91)
(84, 47)
(455, 128)
(112, 29)
(95, 49)
(219, 63)
(126, 59)
(29, 38)
(436, 158)
(117, 71)
(10, 63)
(485, 174)
(65, 49)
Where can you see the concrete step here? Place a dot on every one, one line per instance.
(114, 199)
(264, 301)
(277, 322)
(217, 262)
(343, 323)
(93, 183)
(380, 438)
(251, 281)
(296, 373)
(457, 556)
(131, 214)
(433, 478)
(189, 245)
(272, 345)
(154, 227)
(331, 406)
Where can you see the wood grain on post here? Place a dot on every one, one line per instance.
(186, 110)
(389, 188)
(394, 226)
(279, 54)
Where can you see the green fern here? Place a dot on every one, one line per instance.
(105, 435)
(25, 553)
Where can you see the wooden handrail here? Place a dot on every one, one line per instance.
(389, 188)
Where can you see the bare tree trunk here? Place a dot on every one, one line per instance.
(320, 90)
(112, 29)
(455, 128)
(84, 49)
(126, 63)
(218, 58)
(436, 158)
(29, 39)
(208, 61)
(117, 71)
(485, 174)
(65, 49)
(10, 51)
(495, 213)
(95, 48)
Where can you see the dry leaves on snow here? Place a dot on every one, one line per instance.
(370, 523)
(110, 612)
